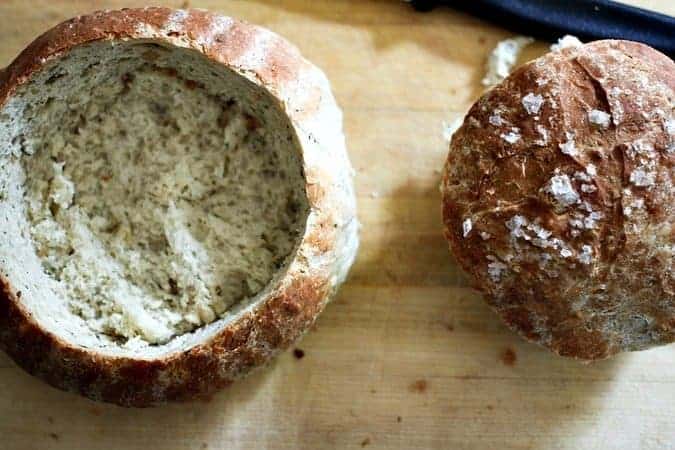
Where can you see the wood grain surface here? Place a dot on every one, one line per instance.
(407, 356)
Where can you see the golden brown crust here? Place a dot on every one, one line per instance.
(558, 199)
(294, 302)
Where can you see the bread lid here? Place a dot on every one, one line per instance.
(558, 199)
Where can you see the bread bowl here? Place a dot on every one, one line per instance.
(176, 203)
(558, 199)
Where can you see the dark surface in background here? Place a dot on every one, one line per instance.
(587, 20)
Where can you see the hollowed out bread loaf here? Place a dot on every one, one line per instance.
(176, 203)
(558, 199)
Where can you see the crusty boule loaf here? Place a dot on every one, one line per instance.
(176, 203)
(558, 199)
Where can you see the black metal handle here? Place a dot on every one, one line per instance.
(588, 20)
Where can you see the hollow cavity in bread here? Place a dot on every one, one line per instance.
(159, 190)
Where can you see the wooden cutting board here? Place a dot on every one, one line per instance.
(407, 356)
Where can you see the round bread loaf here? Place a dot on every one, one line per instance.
(558, 199)
(176, 203)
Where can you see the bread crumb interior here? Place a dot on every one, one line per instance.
(160, 190)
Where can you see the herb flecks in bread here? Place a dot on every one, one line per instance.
(158, 205)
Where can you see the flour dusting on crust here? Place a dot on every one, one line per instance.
(572, 217)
